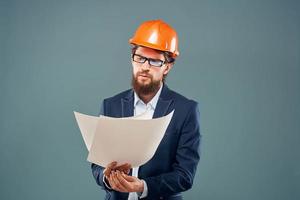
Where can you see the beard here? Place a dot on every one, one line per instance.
(143, 88)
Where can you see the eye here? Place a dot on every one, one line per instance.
(156, 62)
(139, 58)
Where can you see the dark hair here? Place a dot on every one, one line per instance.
(167, 55)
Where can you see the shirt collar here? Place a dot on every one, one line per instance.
(153, 101)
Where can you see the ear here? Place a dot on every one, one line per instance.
(168, 68)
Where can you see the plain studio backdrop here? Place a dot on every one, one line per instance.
(239, 59)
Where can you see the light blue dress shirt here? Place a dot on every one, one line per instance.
(148, 110)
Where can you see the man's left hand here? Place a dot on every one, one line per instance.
(121, 182)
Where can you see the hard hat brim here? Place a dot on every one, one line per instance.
(152, 46)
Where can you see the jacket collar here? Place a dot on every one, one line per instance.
(163, 104)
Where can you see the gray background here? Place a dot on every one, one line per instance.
(239, 59)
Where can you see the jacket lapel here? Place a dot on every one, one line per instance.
(163, 103)
(162, 106)
(127, 104)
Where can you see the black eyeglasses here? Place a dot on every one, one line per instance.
(151, 61)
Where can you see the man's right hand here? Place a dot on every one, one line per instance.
(113, 166)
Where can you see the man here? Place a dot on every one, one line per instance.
(172, 168)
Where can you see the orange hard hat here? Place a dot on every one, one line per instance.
(156, 34)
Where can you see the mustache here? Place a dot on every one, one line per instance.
(144, 74)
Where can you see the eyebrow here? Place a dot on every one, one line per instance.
(150, 57)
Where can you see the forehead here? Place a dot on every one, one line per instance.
(150, 53)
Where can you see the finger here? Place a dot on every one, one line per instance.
(108, 168)
(112, 164)
(116, 185)
(119, 185)
(127, 184)
(128, 178)
(135, 184)
(129, 166)
(127, 171)
(124, 167)
(112, 182)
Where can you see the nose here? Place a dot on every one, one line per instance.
(145, 66)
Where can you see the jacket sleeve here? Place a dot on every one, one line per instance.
(98, 175)
(96, 169)
(187, 157)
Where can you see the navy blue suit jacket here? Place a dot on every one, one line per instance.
(173, 167)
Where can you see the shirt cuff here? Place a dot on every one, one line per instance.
(105, 183)
(145, 191)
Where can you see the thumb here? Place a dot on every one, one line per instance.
(129, 178)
